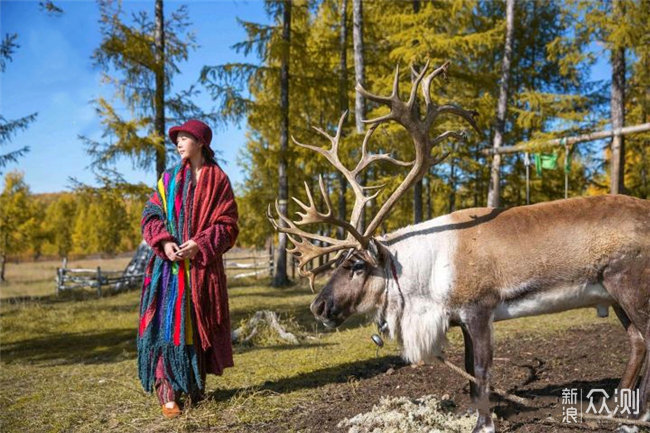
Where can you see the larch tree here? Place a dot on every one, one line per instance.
(551, 97)
(617, 107)
(637, 108)
(16, 217)
(58, 223)
(621, 29)
(8, 128)
(494, 190)
(439, 32)
(252, 91)
(140, 57)
(359, 76)
(280, 277)
(343, 103)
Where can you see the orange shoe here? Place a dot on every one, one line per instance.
(171, 412)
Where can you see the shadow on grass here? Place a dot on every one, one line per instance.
(338, 374)
(279, 293)
(301, 315)
(74, 348)
(100, 347)
(243, 348)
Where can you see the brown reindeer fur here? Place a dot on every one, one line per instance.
(507, 253)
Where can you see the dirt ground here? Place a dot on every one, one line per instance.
(537, 368)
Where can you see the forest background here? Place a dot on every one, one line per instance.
(300, 69)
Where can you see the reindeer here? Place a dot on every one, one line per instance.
(476, 266)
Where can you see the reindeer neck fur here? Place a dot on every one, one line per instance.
(416, 304)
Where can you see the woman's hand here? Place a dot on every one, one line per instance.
(171, 251)
(188, 250)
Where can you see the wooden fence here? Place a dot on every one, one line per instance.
(248, 264)
(238, 265)
(69, 279)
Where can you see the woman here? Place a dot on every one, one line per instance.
(189, 222)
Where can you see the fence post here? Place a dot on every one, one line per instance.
(255, 262)
(59, 280)
(60, 275)
(99, 281)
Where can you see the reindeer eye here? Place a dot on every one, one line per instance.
(358, 266)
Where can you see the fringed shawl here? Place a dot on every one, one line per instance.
(177, 294)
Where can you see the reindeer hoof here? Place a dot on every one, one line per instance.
(484, 425)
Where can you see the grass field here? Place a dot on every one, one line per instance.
(68, 364)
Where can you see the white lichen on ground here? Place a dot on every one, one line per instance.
(426, 414)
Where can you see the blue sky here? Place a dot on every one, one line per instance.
(52, 74)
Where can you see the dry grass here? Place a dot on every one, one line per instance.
(68, 364)
(34, 279)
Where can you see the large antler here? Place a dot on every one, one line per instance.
(406, 114)
(306, 251)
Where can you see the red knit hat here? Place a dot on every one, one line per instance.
(196, 128)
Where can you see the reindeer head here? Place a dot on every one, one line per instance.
(360, 261)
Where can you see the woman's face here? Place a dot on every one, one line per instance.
(188, 147)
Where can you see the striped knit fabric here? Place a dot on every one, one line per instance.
(165, 328)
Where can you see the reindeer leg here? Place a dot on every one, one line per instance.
(478, 322)
(637, 351)
(469, 362)
(627, 279)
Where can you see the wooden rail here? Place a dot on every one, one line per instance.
(535, 146)
(238, 266)
(68, 279)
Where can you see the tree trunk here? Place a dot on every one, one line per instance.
(2, 268)
(494, 191)
(617, 106)
(359, 75)
(343, 106)
(452, 185)
(159, 103)
(359, 67)
(280, 276)
(644, 117)
(427, 192)
(417, 187)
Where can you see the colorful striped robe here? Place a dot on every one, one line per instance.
(184, 305)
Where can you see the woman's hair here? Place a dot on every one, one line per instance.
(208, 154)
